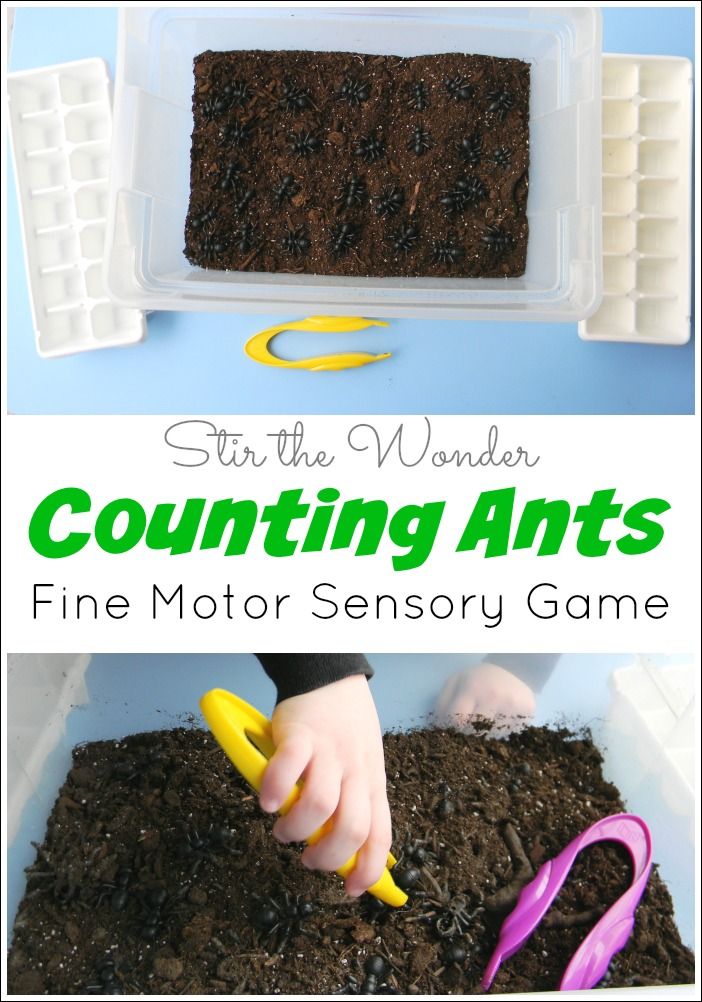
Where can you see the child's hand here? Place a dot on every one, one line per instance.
(485, 691)
(331, 738)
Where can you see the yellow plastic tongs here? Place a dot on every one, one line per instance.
(246, 737)
(258, 346)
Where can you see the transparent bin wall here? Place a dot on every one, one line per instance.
(151, 158)
(55, 703)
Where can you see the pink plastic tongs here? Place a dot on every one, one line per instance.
(591, 960)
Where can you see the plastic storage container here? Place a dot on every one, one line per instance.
(652, 722)
(145, 265)
(55, 703)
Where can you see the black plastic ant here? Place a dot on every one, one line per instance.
(375, 971)
(286, 188)
(418, 96)
(344, 237)
(354, 91)
(294, 97)
(295, 242)
(497, 240)
(304, 143)
(351, 193)
(370, 148)
(447, 251)
(420, 141)
(117, 891)
(390, 202)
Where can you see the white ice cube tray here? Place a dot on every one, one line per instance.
(646, 220)
(60, 125)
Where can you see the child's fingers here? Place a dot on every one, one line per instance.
(463, 706)
(287, 764)
(373, 855)
(457, 699)
(447, 695)
(350, 827)
(317, 803)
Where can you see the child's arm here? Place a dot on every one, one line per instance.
(330, 737)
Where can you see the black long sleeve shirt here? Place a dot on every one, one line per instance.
(294, 674)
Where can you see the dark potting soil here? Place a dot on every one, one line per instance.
(158, 874)
(347, 164)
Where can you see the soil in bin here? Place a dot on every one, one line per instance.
(349, 164)
(158, 874)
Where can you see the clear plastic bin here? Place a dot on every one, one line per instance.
(641, 713)
(150, 185)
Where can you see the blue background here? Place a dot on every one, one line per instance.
(193, 362)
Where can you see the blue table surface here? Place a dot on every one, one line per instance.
(193, 362)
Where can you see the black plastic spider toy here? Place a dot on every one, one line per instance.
(294, 97)
(197, 848)
(281, 918)
(500, 102)
(354, 91)
(370, 148)
(471, 148)
(460, 89)
(344, 237)
(295, 242)
(286, 188)
(351, 193)
(418, 96)
(403, 240)
(390, 202)
(456, 919)
(236, 133)
(466, 192)
(304, 143)
(447, 251)
(420, 141)
(497, 240)
(502, 156)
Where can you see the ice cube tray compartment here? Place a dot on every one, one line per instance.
(60, 124)
(619, 118)
(646, 166)
(84, 82)
(619, 275)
